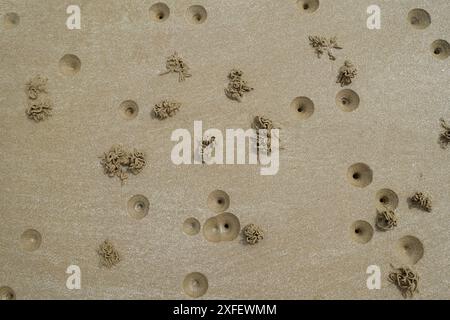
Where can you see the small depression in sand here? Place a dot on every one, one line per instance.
(419, 18)
(191, 226)
(302, 107)
(386, 198)
(347, 100)
(359, 175)
(196, 14)
(6, 293)
(361, 231)
(223, 227)
(159, 12)
(11, 20)
(195, 284)
(129, 109)
(308, 6)
(31, 240)
(69, 64)
(409, 249)
(218, 201)
(440, 49)
(138, 206)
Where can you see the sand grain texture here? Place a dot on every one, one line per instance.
(51, 179)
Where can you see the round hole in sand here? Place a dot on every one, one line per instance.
(129, 109)
(218, 201)
(30, 240)
(159, 12)
(138, 206)
(223, 227)
(195, 284)
(409, 249)
(386, 198)
(11, 20)
(440, 49)
(6, 293)
(191, 226)
(196, 14)
(302, 107)
(347, 100)
(361, 231)
(69, 64)
(359, 175)
(308, 6)
(419, 18)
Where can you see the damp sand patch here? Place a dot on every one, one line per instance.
(236, 85)
(118, 162)
(109, 256)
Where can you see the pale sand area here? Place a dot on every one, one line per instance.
(51, 179)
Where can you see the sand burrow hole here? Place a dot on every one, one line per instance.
(69, 64)
(419, 18)
(138, 206)
(440, 49)
(30, 240)
(223, 227)
(195, 284)
(409, 249)
(386, 198)
(6, 293)
(361, 231)
(308, 6)
(196, 14)
(347, 100)
(302, 107)
(128, 109)
(159, 12)
(11, 20)
(191, 226)
(359, 175)
(218, 201)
